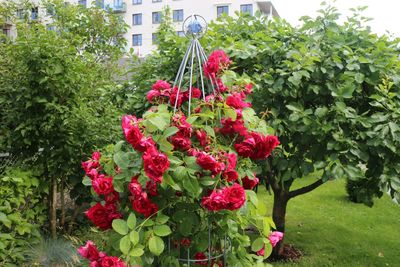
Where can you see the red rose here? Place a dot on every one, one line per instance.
(103, 185)
(96, 156)
(208, 162)
(264, 145)
(112, 197)
(201, 135)
(151, 188)
(215, 201)
(89, 251)
(134, 187)
(196, 93)
(221, 86)
(236, 101)
(201, 259)
(246, 147)
(235, 196)
(217, 62)
(111, 261)
(248, 89)
(181, 142)
(230, 175)
(185, 242)
(185, 129)
(152, 95)
(230, 127)
(249, 183)
(102, 216)
(176, 98)
(144, 144)
(93, 173)
(161, 86)
(131, 130)
(155, 164)
(143, 205)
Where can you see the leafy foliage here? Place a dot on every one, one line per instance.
(22, 213)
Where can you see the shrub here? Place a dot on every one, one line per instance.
(22, 212)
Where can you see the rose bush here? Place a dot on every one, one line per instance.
(175, 181)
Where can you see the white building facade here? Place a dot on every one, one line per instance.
(144, 16)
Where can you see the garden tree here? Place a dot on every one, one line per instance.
(331, 92)
(52, 85)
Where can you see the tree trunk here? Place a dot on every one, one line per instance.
(53, 208)
(62, 196)
(279, 215)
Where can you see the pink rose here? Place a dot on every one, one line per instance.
(89, 251)
(275, 237)
(261, 252)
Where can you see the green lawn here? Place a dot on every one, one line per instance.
(332, 231)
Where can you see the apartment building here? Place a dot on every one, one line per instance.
(145, 16)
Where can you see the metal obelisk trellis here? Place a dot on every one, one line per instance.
(195, 27)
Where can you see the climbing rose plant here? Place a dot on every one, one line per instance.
(180, 186)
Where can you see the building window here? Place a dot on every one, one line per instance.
(35, 13)
(156, 17)
(222, 10)
(180, 33)
(137, 19)
(82, 3)
(157, 1)
(178, 15)
(100, 3)
(20, 13)
(136, 2)
(247, 9)
(136, 39)
(154, 38)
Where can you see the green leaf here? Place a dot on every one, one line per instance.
(136, 252)
(131, 222)
(252, 196)
(120, 226)
(161, 218)
(121, 159)
(156, 245)
(134, 237)
(170, 131)
(162, 230)
(257, 244)
(192, 186)
(159, 122)
(180, 173)
(125, 245)
(87, 181)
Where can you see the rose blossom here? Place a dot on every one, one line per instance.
(152, 95)
(215, 201)
(201, 136)
(231, 127)
(103, 185)
(155, 164)
(248, 183)
(111, 261)
(261, 252)
(208, 162)
(201, 258)
(236, 101)
(264, 145)
(112, 197)
(181, 142)
(102, 216)
(151, 188)
(143, 205)
(246, 147)
(234, 196)
(89, 251)
(185, 242)
(217, 62)
(131, 129)
(230, 174)
(134, 187)
(275, 237)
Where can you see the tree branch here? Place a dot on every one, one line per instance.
(305, 189)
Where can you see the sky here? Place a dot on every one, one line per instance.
(385, 13)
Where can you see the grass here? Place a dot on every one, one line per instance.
(332, 231)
